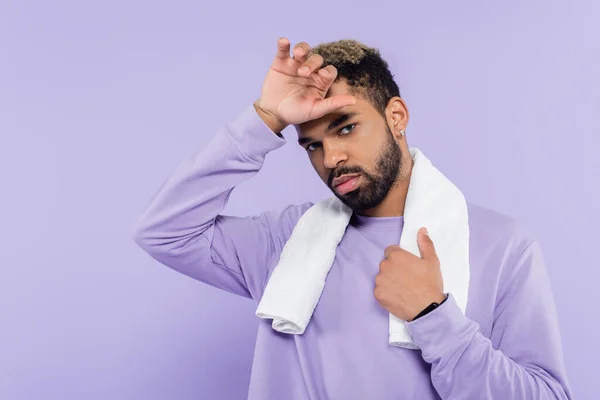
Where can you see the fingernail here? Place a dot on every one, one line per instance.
(304, 69)
(425, 231)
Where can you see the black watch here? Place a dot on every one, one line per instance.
(429, 309)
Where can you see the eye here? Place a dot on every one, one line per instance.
(347, 127)
(346, 130)
(313, 146)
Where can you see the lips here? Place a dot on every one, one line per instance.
(346, 183)
(343, 179)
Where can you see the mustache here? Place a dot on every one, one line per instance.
(343, 171)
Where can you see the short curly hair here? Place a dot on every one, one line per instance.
(363, 69)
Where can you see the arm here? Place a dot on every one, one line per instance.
(523, 359)
(182, 226)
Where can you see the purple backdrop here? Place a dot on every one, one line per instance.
(99, 102)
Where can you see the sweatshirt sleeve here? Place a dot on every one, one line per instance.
(183, 228)
(523, 357)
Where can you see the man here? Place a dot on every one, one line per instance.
(351, 121)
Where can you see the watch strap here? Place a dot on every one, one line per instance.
(429, 309)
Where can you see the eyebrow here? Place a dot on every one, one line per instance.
(332, 125)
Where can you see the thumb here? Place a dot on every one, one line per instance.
(331, 104)
(426, 245)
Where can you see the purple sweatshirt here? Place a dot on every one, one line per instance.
(507, 346)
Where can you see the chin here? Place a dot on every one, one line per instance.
(353, 200)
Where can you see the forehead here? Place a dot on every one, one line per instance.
(361, 106)
(339, 87)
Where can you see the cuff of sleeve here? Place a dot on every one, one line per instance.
(441, 330)
(252, 135)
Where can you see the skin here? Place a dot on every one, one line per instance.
(367, 143)
(363, 143)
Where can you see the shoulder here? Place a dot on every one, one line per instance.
(282, 220)
(505, 259)
(501, 246)
(493, 229)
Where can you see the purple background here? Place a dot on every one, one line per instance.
(100, 101)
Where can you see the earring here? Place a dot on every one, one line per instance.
(401, 132)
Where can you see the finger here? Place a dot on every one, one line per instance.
(283, 48)
(426, 246)
(301, 51)
(328, 75)
(313, 63)
(389, 250)
(331, 104)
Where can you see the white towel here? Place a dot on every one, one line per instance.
(432, 201)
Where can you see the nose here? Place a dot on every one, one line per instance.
(332, 155)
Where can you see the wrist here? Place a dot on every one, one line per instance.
(447, 329)
(269, 119)
(432, 306)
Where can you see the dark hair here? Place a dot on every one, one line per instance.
(363, 68)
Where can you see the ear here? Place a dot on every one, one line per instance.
(397, 115)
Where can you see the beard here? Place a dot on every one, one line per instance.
(375, 186)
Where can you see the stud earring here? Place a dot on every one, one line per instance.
(401, 132)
